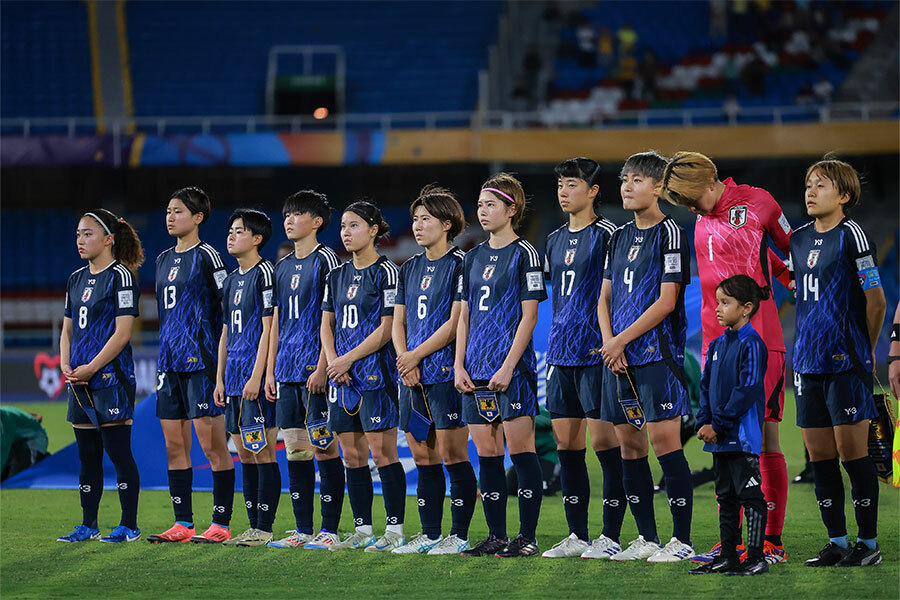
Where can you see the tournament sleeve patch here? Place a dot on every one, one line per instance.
(785, 226)
(459, 285)
(866, 262)
(534, 281)
(389, 297)
(673, 263)
(267, 298)
(869, 278)
(126, 299)
(220, 276)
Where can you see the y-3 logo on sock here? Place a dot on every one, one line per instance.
(632, 499)
(865, 502)
(570, 499)
(611, 502)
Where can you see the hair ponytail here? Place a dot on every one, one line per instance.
(126, 246)
(371, 215)
(744, 289)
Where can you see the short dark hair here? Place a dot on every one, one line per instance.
(581, 168)
(649, 164)
(195, 200)
(842, 175)
(256, 221)
(309, 201)
(443, 206)
(744, 289)
(371, 215)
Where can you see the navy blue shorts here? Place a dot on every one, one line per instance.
(185, 395)
(833, 399)
(295, 402)
(575, 392)
(115, 403)
(519, 400)
(249, 413)
(660, 392)
(374, 410)
(444, 404)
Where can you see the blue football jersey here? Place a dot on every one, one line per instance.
(573, 263)
(495, 282)
(248, 298)
(93, 301)
(359, 298)
(189, 302)
(427, 288)
(832, 271)
(637, 263)
(299, 289)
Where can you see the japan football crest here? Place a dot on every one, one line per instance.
(295, 281)
(812, 258)
(86, 295)
(351, 291)
(237, 296)
(488, 272)
(426, 282)
(173, 273)
(737, 216)
(570, 256)
(633, 252)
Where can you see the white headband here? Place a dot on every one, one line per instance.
(99, 220)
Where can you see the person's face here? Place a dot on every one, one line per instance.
(638, 191)
(428, 229)
(493, 213)
(91, 239)
(706, 202)
(822, 196)
(574, 195)
(299, 225)
(356, 234)
(179, 220)
(729, 311)
(240, 239)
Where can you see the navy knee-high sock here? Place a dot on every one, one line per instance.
(864, 491)
(613, 492)
(680, 490)
(180, 484)
(117, 443)
(251, 491)
(463, 492)
(223, 496)
(359, 488)
(393, 491)
(269, 494)
(531, 492)
(493, 493)
(90, 477)
(576, 490)
(302, 482)
(331, 492)
(829, 489)
(638, 483)
(430, 491)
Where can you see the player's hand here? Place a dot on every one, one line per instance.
(500, 381)
(219, 395)
(461, 380)
(251, 389)
(707, 434)
(621, 366)
(894, 378)
(406, 362)
(341, 380)
(412, 378)
(66, 371)
(82, 374)
(317, 381)
(612, 351)
(339, 366)
(271, 388)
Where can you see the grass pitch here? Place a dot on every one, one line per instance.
(34, 565)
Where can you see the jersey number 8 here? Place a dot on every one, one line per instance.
(82, 317)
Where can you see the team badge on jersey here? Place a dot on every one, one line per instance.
(237, 296)
(633, 252)
(351, 291)
(173, 273)
(737, 216)
(812, 258)
(86, 295)
(295, 281)
(486, 403)
(426, 282)
(488, 272)
(570, 256)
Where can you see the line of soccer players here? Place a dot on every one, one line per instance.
(442, 349)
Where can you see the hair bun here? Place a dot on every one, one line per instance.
(765, 292)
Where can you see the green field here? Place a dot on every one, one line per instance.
(33, 565)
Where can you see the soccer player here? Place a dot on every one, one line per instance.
(357, 313)
(642, 319)
(423, 337)
(840, 310)
(243, 347)
(495, 365)
(734, 226)
(730, 421)
(573, 262)
(295, 375)
(189, 278)
(95, 358)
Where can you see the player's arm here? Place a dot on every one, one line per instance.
(500, 381)
(318, 379)
(704, 413)
(442, 337)
(876, 307)
(65, 347)
(894, 365)
(374, 341)
(461, 379)
(603, 317)
(614, 349)
(251, 388)
(779, 269)
(111, 349)
(271, 387)
(775, 223)
(222, 355)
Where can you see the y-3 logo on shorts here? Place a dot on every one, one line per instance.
(667, 406)
(114, 411)
(376, 419)
(851, 410)
(259, 419)
(203, 405)
(515, 405)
